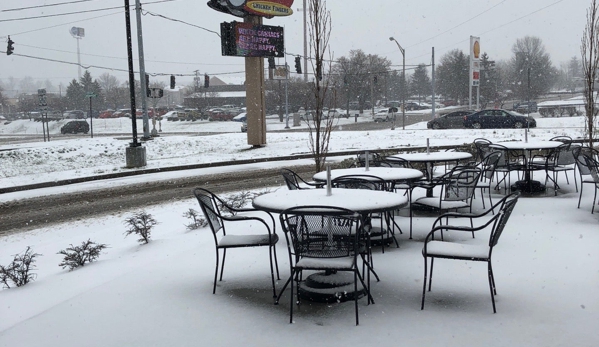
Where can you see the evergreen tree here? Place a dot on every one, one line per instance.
(453, 75)
(420, 82)
(489, 81)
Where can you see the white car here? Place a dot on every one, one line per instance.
(385, 115)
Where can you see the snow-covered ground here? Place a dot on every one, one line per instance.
(546, 264)
(84, 156)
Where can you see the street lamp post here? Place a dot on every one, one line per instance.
(403, 93)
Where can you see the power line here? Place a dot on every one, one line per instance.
(178, 20)
(58, 25)
(87, 67)
(48, 5)
(78, 12)
(123, 58)
(498, 27)
(464, 22)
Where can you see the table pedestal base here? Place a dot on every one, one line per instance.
(330, 287)
(528, 187)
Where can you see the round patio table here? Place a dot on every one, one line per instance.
(388, 174)
(528, 185)
(358, 200)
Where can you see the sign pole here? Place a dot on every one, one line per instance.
(91, 118)
(255, 103)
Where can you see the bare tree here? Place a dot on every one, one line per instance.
(589, 50)
(321, 125)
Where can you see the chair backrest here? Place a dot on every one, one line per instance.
(562, 138)
(290, 178)
(567, 157)
(482, 148)
(396, 162)
(489, 164)
(554, 154)
(581, 163)
(321, 231)
(509, 157)
(374, 159)
(368, 182)
(461, 183)
(593, 166)
(209, 206)
(504, 214)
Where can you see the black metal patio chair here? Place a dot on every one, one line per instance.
(445, 247)
(584, 171)
(211, 206)
(294, 181)
(327, 239)
(593, 166)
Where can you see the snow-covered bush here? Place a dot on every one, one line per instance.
(76, 256)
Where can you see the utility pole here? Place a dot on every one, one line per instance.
(433, 82)
(142, 73)
(305, 44)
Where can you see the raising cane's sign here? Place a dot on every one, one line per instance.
(262, 8)
(269, 8)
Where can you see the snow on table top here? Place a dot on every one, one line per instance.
(359, 200)
(386, 173)
(529, 145)
(433, 156)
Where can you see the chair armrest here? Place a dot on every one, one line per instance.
(248, 218)
(430, 236)
(254, 210)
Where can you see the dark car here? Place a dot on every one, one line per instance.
(74, 127)
(495, 118)
(453, 120)
(525, 107)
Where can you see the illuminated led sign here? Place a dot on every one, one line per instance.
(251, 40)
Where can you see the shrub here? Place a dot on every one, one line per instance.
(239, 200)
(76, 256)
(19, 271)
(141, 224)
(197, 220)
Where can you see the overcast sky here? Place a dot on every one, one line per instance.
(176, 48)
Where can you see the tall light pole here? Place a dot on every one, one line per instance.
(403, 92)
(78, 33)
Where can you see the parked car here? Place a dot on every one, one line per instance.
(334, 113)
(175, 116)
(453, 120)
(244, 126)
(240, 117)
(525, 107)
(106, 114)
(74, 114)
(497, 118)
(385, 115)
(74, 127)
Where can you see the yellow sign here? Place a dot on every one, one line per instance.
(268, 8)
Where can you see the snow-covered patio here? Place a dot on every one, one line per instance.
(546, 268)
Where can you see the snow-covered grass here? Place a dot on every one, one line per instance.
(546, 264)
(86, 156)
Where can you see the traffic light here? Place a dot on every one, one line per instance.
(172, 81)
(271, 63)
(206, 81)
(148, 85)
(298, 65)
(9, 48)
